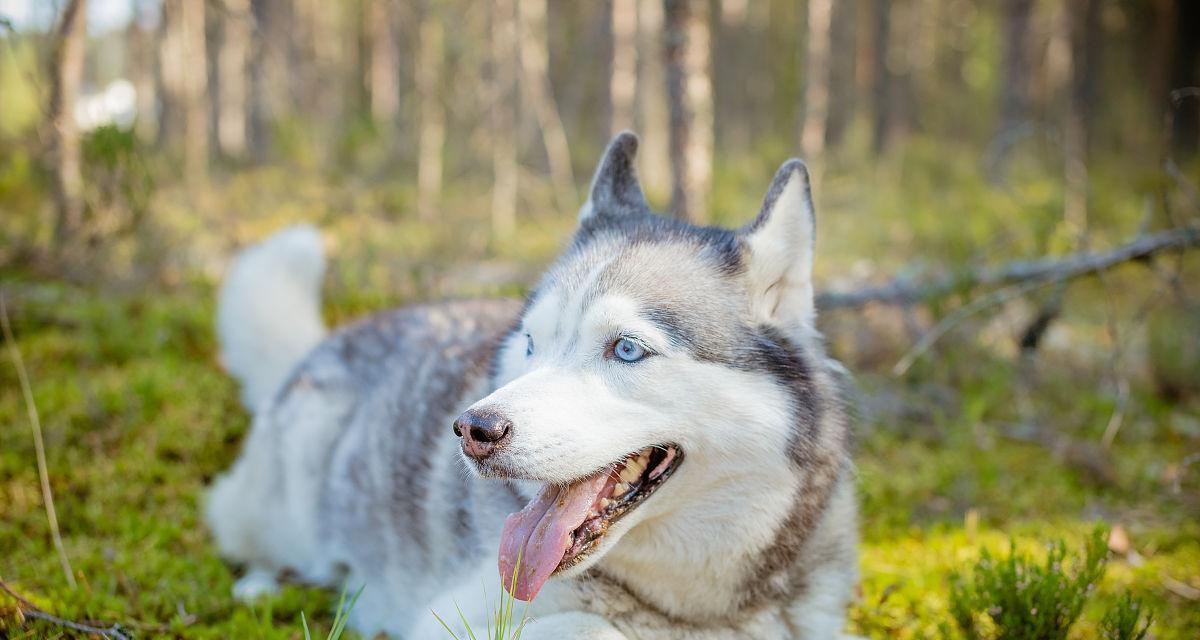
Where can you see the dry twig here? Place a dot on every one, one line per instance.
(1017, 279)
(962, 313)
(905, 291)
(30, 610)
(38, 445)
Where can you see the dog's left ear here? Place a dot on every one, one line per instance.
(780, 251)
(615, 187)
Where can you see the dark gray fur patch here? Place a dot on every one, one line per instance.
(782, 175)
(615, 187)
(820, 450)
(722, 247)
(410, 370)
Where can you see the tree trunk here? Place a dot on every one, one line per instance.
(66, 77)
(881, 75)
(428, 74)
(1014, 85)
(236, 24)
(689, 92)
(535, 81)
(623, 83)
(269, 85)
(196, 121)
(910, 20)
(1083, 21)
(1014, 81)
(142, 59)
(654, 154)
(384, 78)
(816, 79)
(503, 117)
(843, 58)
(1185, 72)
(185, 84)
(1158, 68)
(315, 68)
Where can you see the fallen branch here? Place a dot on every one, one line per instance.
(940, 329)
(1024, 277)
(39, 445)
(907, 291)
(30, 610)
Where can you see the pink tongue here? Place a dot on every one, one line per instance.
(540, 534)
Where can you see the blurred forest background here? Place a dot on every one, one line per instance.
(1006, 198)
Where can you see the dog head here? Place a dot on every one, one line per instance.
(655, 366)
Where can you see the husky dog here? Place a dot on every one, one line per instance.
(654, 445)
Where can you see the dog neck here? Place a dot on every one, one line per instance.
(694, 561)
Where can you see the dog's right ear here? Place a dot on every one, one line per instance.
(780, 251)
(615, 188)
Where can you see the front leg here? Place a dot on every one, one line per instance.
(574, 624)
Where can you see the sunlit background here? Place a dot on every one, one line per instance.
(444, 147)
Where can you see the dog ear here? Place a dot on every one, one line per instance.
(780, 245)
(615, 187)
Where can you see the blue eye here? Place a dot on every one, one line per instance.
(627, 350)
(528, 345)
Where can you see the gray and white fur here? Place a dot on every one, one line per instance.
(351, 472)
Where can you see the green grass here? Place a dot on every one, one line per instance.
(138, 417)
(1018, 597)
(501, 624)
(340, 618)
(1127, 620)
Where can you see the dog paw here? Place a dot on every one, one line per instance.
(255, 584)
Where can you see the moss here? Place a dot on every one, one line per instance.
(138, 417)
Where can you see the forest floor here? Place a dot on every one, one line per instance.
(138, 418)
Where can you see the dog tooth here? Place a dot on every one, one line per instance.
(604, 503)
(630, 473)
(619, 488)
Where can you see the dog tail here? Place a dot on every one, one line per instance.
(269, 311)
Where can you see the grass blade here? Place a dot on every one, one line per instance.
(463, 617)
(444, 625)
(304, 625)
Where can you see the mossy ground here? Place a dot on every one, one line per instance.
(138, 418)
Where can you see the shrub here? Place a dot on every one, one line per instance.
(1124, 621)
(1019, 598)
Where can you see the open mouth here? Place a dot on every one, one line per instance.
(563, 525)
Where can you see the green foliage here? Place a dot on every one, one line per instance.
(502, 625)
(339, 619)
(1019, 598)
(1124, 621)
(18, 85)
(118, 179)
(139, 417)
(22, 193)
(1174, 351)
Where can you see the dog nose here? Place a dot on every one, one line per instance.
(482, 431)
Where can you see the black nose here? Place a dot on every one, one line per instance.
(481, 431)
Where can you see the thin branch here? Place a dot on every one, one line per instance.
(31, 610)
(1024, 277)
(1185, 185)
(1118, 415)
(38, 445)
(905, 291)
(962, 313)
